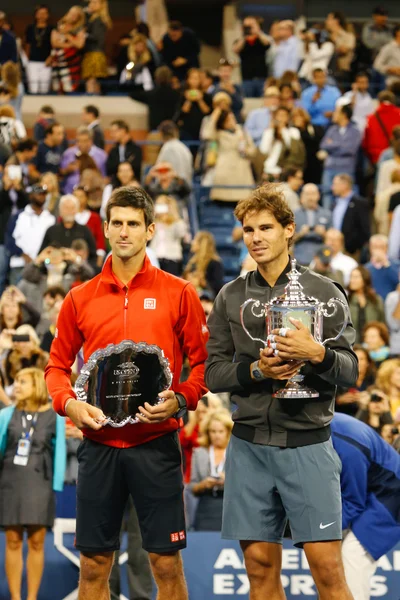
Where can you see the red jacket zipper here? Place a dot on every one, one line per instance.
(125, 312)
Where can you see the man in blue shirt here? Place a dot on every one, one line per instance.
(287, 52)
(259, 119)
(370, 484)
(319, 99)
(384, 273)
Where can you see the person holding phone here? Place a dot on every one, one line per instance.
(252, 47)
(32, 459)
(194, 105)
(24, 352)
(208, 469)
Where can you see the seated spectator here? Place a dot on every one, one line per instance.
(40, 477)
(378, 130)
(91, 120)
(365, 304)
(12, 199)
(340, 261)
(286, 55)
(124, 150)
(235, 149)
(386, 202)
(204, 269)
(388, 380)
(139, 71)
(288, 96)
(170, 232)
(208, 470)
(318, 52)
(71, 166)
(93, 182)
(345, 43)
(339, 150)
(360, 101)
(386, 169)
(378, 32)
(92, 220)
(348, 399)
(350, 214)
(11, 79)
(226, 85)
(388, 60)
(375, 338)
(38, 50)
(15, 310)
(68, 230)
(252, 47)
(292, 180)
(193, 106)
(23, 156)
(180, 49)
(46, 117)
(67, 42)
(162, 180)
(12, 130)
(282, 145)
(125, 177)
(206, 157)
(392, 318)
(174, 152)
(374, 409)
(162, 100)
(24, 352)
(322, 264)
(50, 150)
(312, 222)
(8, 44)
(384, 274)
(26, 231)
(319, 99)
(50, 182)
(259, 119)
(311, 136)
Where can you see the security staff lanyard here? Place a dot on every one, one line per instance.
(24, 443)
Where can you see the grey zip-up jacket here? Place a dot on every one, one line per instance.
(259, 417)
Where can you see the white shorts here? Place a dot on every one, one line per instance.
(359, 566)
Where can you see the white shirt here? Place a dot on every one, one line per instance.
(29, 232)
(363, 106)
(344, 263)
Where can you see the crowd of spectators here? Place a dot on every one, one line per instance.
(328, 130)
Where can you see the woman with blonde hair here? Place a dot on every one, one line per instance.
(208, 469)
(32, 467)
(205, 269)
(11, 78)
(94, 64)
(67, 42)
(51, 182)
(388, 380)
(140, 69)
(169, 234)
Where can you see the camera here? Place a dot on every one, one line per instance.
(395, 431)
(376, 398)
(20, 337)
(247, 30)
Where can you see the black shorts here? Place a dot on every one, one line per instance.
(151, 473)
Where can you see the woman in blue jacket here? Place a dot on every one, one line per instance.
(32, 466)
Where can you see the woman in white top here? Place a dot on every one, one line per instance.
(12, 130)
(282, 145)
(317, 54)
(171, 230)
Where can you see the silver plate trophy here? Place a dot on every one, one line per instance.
(295, 304)
(120, 378)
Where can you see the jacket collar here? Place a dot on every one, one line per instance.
(144, 275)
(282, 279)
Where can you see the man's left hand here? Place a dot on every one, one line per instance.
(161, 412)
(298, 344)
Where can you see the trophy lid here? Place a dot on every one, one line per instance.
(294, 295)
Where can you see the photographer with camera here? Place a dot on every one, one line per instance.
(374, 409)
(317, 53)
(251, 47)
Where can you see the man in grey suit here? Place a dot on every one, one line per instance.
(312, 221)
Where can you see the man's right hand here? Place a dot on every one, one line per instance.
(274, 368)
(85, 415)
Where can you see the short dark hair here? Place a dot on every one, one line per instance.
(92, 110)
(379, 10)
(47, 109)
(80, 244)
(396, 30)
(285, 108)
(169, 130)
(318, 70)
(40, 7)
(163, 75)
(268, 197)
(362, 74)
(55, 290)
(49, 130)
(347, 110)
(143, 28)
(396, 147)
(28, 144)
(175, 25)
(221, 119)
(386, 96)
(290, 172)
(133, 197)
(121, 124)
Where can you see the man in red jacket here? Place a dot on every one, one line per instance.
(378, 130)
(130, 299)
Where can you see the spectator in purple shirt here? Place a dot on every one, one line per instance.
(70, 167)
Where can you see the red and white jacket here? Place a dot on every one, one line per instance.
(156, 308)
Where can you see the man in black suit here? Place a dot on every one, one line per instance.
(180, 49)
(125, 150)
(162, 100)
(91, 118)
(350, 214)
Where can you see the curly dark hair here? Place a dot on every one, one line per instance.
(369, 291)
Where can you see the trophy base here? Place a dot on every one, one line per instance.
(295, 391)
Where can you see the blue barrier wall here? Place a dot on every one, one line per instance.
(214, 570)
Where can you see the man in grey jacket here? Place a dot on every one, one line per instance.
(280, 462)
